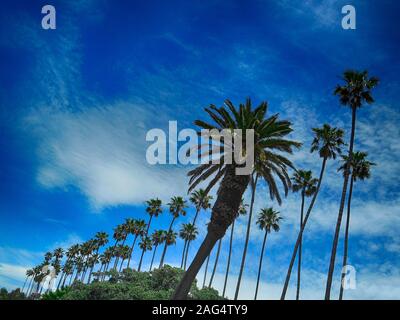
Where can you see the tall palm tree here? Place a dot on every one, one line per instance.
(188, 233)
(356, 90)
(146, 245)
(268, 219)
(138, 229)
(107, 256)
(29, 273)
(93, 260)
(201, 200)
(170, 238)
(241, 212)
(269, 136)
(158, 237)
(306, 184)
(154, 209)
(120, 234)
(360, 170)
(124, 252)
(328, 142)
(177, 208)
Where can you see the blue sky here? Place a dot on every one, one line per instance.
(76, 103)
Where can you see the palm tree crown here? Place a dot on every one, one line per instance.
(268, 219)
(303, 180)
(359, 165)
(268, 138)
(356, 89)
(327, 141)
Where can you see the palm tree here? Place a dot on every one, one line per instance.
(120, 234)
(269, 136)
(124, 252)
(29, 273)
(241, 212)
(158, 237)
(146, 245)
(107, 256)
(268, 219)
(306, 184)
(136, 228)
(154, 208)
(93, 260)
(360, 170)
(356, 91)
(201, 200)
(188, 233)
(177, 207)
(170, 238)
(328, 141)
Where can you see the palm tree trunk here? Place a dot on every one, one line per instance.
(90, 274)
(215, 263)
(186, 255)
(346, 236)
(205, 272)
(132, 247)
(341, 208)
(188, 245)
(65, 278)
(165, 245)
(260, 265)
(141, 259)
(152, 259)
(253, 192)
(300, 235)
(229, 258)
(23, 287)
(224, 211)
(120, 267)
(183, 253)
(60, 281)
(184, 286)
(300, 245)
(29, 286)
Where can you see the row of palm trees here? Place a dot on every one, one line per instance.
(271, 146)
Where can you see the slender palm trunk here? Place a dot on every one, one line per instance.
(346, 237)
(188, 245)
(132, 247)
(253, 192)
(300, 235)
(120, 266)
(60, 281)
(29, 286)
(65, 278)
(229, 259)
(141, 259)
(186, 255)
(300, 245)
(152, 259)
(205, 271)
(215, 263)
(223, 213)
(183, 253)
(117, 258)
(341, 208)
(260, 265)
(166, 245)
(23, 287)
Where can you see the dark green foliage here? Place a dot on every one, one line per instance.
(56, 295)
(158, 284)
(12, 295)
